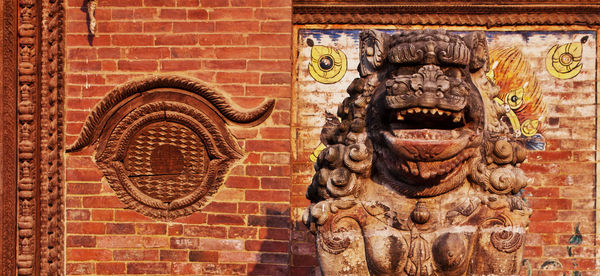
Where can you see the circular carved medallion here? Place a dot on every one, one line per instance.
(166, 161)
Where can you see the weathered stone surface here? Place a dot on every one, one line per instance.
(420, 176)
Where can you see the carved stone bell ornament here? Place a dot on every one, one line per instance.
(421, 176)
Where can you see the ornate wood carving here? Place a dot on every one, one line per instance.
(475, 13)
(8, 141)
(420, 177)
(38, 94)
(162, 143)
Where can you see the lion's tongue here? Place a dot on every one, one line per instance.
(428, 170)
(427, 149)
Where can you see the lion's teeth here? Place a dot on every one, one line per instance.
(399, 116)
(412, 110)
(457, 118)
(403, 112)
(417, 109)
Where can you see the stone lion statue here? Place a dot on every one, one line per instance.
(420, 176)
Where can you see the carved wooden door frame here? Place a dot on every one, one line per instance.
(32, 184)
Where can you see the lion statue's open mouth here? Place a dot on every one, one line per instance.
(424, 128)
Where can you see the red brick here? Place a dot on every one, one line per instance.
(274, 258)
(135, 255)
(180, 65)
(204, 256)
(158, 27)
(276, 27)
(120, 228)
(214, 3)
(147, 52)
(195, 218)
(237, 77)
(148, 268)
(305, 260)
(277, 183)
(102, 215)
(102, 202)
(188, 3)
(155, 242)
(110, 268)
(245, 3)
(272, 40)
(144, 13)
(176, 14)
(275, 52)
(184, 243)
(242, 233)
(141, 66)
(221, 207)
(551, 203)
(193, 28)
(237, 26)
(132, 40)
(175, 230)
(176, 40)
(159, 3)
(150, 229)
(267, 170)
(267, 269)
(121, 3)
(79, 268)
(225, 64)
(78, 66)
(85, 254)
(550, 227)
(230, 13)
(204, 231)
(268, 145)
(247, 208)
(221, 40)
(267, 246)
(120, 27)
(273, 13)
(275, 78)
(275, 133)
(85, 227)
(78, 214)
(237, 52)
(225, 219)
(220, 244)
(197, 14)
(264, 195)
(274, 234)
(130, 216)
(173, 255)
(81, 241)
(276, 3)
(118, 242)
(243, 182)
(544, 215)
(81, 53)
(269, 221)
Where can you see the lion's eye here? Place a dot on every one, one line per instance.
(163, 144)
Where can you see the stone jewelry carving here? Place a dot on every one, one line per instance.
(163, 145)
(420, 177)
(91, 12)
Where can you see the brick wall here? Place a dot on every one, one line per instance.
(241, 47)
(253, 223)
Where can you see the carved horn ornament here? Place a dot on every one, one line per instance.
(163, 144)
